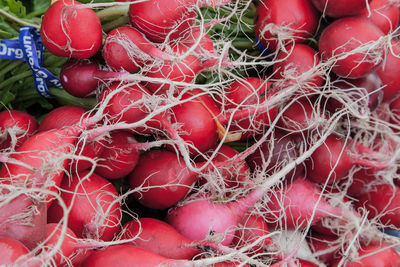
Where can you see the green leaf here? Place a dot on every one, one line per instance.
(8, 97)
(16, 7)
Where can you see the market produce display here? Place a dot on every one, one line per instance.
(199, 133)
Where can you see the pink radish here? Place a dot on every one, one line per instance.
(125, 48)
(159, 237)
(387, 73)
(294, 205)
(95, 212)
(15, 128)
(340, 8)
(119, 157)
(160, 20)
(347, 34)
(294, 61)
(202, 218)
(11, 252)
(277, 25)
(62, 32)
(383, 13)
(336, 157)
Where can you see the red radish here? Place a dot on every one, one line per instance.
(12, 252)
(205, 46)
(383, 13)
(340, 8)
(202, 218)
(15, 128)
(23, 218)
(62, 32)
(125, 48)
(360, 179)
(251, 228)
(95, 212)
(69, 116)
(239, 97)
(277, 25)
(68, 246)
(294, 61)
(343, 36)
(320, 243)
(294, 205)
(128, 256)
(159, 237)
(330, 162)
(369, 86)
(119, 157)
(274, 154)
(160, 20)
(81, 78)
(388, 73)
(371, 256)
(383, 201)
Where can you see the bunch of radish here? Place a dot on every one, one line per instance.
(202, 153)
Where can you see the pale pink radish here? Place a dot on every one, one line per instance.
(15, 128)
(95, 211)
(62, 32)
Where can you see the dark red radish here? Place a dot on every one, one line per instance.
(277, 25)
(23, 218)
(79, 257)
(159, 237)
(164, 177)
(388, 73)
(82, 78)
(239, 104)
(128, 256)
(274, 154)
(301, 116)
(383, 13)
(68, 246)
(321, 243)
(125, 48)
(62, 32)
(382, 202)
(369, 86)
(361, 178)
(292, 64)
(293, 206)
(203, 218)
(340, 8)
(69, 116)
(95, 211)
(344, 35)
(119, 157)
(160, 20)
(332, 161)
(252, 228)
(15, 128)
(12, 252)
(304, 263)
(371, 256)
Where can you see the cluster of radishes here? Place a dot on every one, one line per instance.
(313, 186)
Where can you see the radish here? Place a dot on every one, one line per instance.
(94, 210)
(382, 201)
(340, 8)
(160, 20)
(387, 73)
(294, 62)
(159, 237)
(62, 32)
(383, 13)
(344, 35)
(12, 252)
(324, 247)
(371, 256)
(125, 48)
(119, 157)
(203, 218)
(277, 25)
(15, 128)
(330, 162)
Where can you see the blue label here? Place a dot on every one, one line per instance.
(264, 51)
(29, 47)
